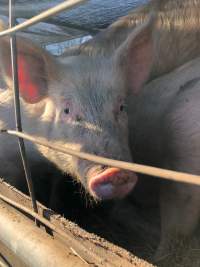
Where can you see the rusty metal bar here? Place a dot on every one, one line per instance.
(44, 15)
(13, 48)
(139, 168)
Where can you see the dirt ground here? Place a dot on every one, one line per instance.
(133, 223)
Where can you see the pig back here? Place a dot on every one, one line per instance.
(150, 112)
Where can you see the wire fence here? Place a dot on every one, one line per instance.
(143, 169)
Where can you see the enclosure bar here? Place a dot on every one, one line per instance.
(31, 244)
(139, 168)
(85, 253)
(3, 261)
(34, 215)
(13, 48)
(44, 15)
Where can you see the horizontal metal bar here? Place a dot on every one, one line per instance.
(66, 5)
(31, 244)
(139, 168)
(73, 243)
(34, 215)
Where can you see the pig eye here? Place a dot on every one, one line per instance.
(122, 107)
(66, 111)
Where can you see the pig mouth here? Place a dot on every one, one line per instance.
(111, 183)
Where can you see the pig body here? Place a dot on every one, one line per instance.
(176, 34)
(165, 132)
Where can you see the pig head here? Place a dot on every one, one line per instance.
(79, 102)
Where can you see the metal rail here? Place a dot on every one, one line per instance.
(13, 49)
(34, 247)
(34, 215)
(139, 168)
(85, 254)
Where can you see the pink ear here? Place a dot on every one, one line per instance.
(34, 65)
(139, 64)
(135, 55)
(32, 86)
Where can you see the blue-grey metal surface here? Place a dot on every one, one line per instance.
(94, 14)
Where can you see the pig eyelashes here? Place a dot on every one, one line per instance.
(67, 107)
(119, 109)
(121, 106)
(66, 114)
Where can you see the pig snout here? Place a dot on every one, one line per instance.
(110, 183)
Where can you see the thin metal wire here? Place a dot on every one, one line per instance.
(13, 48)
(44, 15)
(139, 168)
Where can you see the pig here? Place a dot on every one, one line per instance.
(177, 33)
(165, 132)
(175, 42)
(77, 102)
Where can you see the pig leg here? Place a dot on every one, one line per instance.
(180, 203)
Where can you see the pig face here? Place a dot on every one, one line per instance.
(92, 118)
(80, 103)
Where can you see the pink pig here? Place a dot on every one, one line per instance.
(77, 102)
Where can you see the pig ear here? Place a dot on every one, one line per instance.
(134, 57)
(33, 63)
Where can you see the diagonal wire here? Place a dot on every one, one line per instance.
(13, 48)
(139, 168)
(44, 15)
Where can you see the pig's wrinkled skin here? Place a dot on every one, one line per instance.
(177, 34)
(78, 103)
(165, 132)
